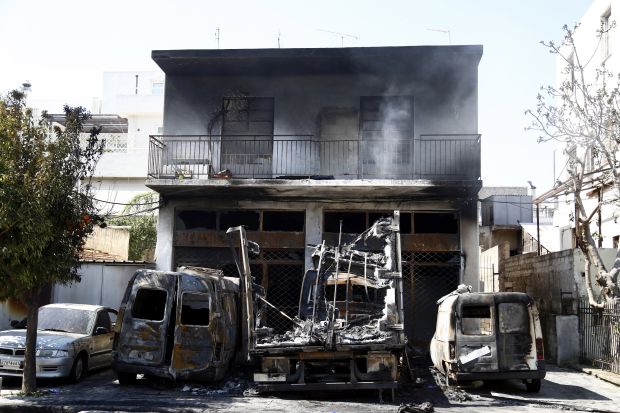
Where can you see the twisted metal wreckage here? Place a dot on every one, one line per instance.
(348, 332)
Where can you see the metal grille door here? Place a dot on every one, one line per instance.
(599, 335)
(279, 271)
(427, 276)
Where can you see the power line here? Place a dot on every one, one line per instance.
(135, 213)
(125, 204)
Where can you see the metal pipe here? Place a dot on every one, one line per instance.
(316, 284)
(279, 311)
(365, 278)
(399, 268)
(538, 226)
(346, 300)
(337, 271)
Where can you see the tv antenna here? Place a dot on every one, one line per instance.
(341, 35)
(444, 31)
(279, 35)
(217, 36)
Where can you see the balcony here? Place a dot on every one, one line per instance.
(430, 157)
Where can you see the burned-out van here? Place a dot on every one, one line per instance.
(489, 336)
(176, 325)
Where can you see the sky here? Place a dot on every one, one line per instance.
(62, 48)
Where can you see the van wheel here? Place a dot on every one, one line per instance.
(77, 371)
(533, 386)
(125, 379)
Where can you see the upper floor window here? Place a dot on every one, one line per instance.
(247, 116)
(157, 88)
(605, 27)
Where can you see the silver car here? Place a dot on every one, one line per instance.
(71, 339)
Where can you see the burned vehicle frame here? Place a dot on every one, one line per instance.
(348, 331)
(177, 325)
(488, 336)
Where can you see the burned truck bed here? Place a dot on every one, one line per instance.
(348, 330)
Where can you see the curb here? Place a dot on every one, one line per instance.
(607, 376)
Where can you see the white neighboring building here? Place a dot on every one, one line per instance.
(122, 170)
(593, 50)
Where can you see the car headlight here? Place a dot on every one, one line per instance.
(52, 353)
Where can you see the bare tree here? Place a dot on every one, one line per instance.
(583, 113)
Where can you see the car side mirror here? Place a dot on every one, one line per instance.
(101, 330)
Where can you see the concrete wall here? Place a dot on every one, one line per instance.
(120, 176)
(490, 262)
(102, 284)
(111, 240)
(491, 236)
(567, 327)
(120, 87)
(555, 281)
(300, 101)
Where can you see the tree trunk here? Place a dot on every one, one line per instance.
(591, 299)
(29, 381)
(588, 246)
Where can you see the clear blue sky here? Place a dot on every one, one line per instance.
(62, 47)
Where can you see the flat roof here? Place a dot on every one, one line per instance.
(393, 59)
(108, 123)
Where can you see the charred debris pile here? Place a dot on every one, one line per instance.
(352, 295)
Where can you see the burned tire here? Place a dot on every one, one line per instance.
(78, 369)
(533, 386)
(125, 379)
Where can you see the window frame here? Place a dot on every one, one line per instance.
(209, 304)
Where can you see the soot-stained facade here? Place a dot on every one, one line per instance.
(294, 143)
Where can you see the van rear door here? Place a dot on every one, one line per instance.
(146, 318)
(196, 323)
(476, 347)
(514, 337)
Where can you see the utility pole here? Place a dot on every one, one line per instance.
(217, 36)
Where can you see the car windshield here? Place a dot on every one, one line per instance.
(70, 320)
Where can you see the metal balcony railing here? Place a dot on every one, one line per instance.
(435, 157)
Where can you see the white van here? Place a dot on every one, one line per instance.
(489, 336)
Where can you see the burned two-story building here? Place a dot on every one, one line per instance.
(292, 142)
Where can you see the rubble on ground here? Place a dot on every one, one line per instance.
(426, 407)
(233, 386)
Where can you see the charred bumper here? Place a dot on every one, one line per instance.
(328, 370)
(502, 375)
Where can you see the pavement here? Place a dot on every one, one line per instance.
(600, 374)
(563, 389)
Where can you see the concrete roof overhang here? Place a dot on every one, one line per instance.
(107, 123)
(316, 190)
(395, 59)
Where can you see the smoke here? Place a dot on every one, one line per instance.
(390, 152)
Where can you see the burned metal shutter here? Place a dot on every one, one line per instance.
(427, 276)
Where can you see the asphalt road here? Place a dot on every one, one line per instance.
(562, 390)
